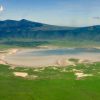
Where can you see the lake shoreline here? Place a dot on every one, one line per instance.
(45, 61)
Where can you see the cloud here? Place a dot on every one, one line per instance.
(98, 18)
(1, 8)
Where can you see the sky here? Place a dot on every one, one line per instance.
(54, 12)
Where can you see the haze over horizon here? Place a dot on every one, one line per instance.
(54, 12)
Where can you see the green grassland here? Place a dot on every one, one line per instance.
(52, 83)
(75, 43)
(6, 44)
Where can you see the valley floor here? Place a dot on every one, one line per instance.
(76, 81)
(80, 82)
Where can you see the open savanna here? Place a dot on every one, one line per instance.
(50, 83)
(20, 43)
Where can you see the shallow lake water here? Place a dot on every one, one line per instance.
(49, 56)
(65, 51)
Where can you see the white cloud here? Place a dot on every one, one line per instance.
(1, 8)
(98, 18)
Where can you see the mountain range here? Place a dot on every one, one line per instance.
(25, 29)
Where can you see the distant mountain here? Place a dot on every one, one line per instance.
(24, 29)
(30, 25)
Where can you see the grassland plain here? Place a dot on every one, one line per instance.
(6, 44)
(51, 83)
